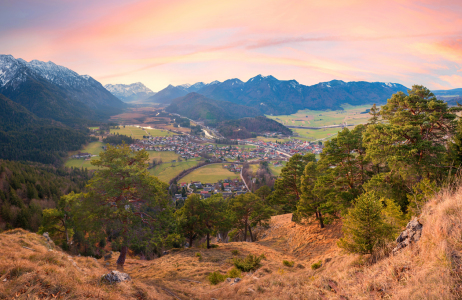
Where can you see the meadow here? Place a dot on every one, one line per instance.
(166, 171)
(317, 118)
(138, 132)
(351, 115)
(210, 174)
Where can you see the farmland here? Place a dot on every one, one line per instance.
(210, 174)
(166, 171)
(351, 115)
(138, 132)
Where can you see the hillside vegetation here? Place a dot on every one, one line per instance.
(430, 269)
(250, 127)
(201, 108)
(24, 136)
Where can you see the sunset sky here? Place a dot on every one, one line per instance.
(179, 41)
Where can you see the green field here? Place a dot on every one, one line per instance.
(166, 171)
(210, 174)
(276, 170)
(93, 148)
(352, 115)
(138, 132)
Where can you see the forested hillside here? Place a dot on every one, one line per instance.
(201, 108)
(250, 127)
(24, 136)
(27, 189)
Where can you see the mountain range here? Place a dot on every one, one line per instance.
(272, 96)
(130, 92)
(55, 92)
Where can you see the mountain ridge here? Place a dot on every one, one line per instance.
(272, 96)
(55, 92)
(130, 92)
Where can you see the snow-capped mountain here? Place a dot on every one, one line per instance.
(130, 92)
(53, 91)
(273, 96)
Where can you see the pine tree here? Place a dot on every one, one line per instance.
(363, 226)
(125, 196)
(287, 187)
(190, 220)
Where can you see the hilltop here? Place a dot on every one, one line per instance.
(428, 270)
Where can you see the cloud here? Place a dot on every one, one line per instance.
(454, 80)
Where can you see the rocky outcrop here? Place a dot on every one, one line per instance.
(410, 235)
(116, 277)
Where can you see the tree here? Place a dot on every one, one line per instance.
(125, 196)
(214, 215)
(60, 220)
(344, 161)
(287, 187)
(190, 219)
(312, 200)
(247, 211)
(363, 226)
(411, 137)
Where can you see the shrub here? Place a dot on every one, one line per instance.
(216, 277)
(316, 265)
(199, 255)
(235, 252)
(250, 263)
(234, 273)
(288, 263)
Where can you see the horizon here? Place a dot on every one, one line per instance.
(178, 42)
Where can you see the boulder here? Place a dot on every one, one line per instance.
(47, 236)
(116, 277)
(410, 235)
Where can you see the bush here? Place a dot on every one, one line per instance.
(235, 252)
(199, 255)
(216, 277)
(234, 273)
(250, 263)
(288, 263)
(316, 265)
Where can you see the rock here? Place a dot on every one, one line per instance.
(116, 277)
(228, 279)
(236, 280)
(410, 235)
(165, 253)
(47, 236)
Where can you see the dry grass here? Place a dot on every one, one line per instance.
(429, 269)
(42, 271)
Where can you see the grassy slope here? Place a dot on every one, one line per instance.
(209, 174)
(430, 269)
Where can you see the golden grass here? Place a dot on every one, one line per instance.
(429, 269)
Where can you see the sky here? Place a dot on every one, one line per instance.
(186, 41)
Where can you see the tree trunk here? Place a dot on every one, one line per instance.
(208, 240)
(190, 240)
(250, 232)
(245, 231)
(321, 222)
(122, 256)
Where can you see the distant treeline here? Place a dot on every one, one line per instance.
(118, 139)
(250, 127)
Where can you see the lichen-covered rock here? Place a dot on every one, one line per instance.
(116, 277)
(410, 235)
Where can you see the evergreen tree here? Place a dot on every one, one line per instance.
(190, 219)
(363, 227)
(123, 194)
(287, 187)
